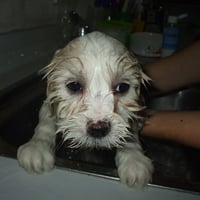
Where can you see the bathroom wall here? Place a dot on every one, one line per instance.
(22, 14)
(30, 32)
(27, 37)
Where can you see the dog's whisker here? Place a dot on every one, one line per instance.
(107, 142)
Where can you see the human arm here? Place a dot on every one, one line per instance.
(178, 126)
(177, 71)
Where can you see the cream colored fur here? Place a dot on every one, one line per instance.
(99, 64)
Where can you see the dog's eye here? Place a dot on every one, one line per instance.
(74, 86)
(121, 88)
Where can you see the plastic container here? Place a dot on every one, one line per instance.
(170, 37)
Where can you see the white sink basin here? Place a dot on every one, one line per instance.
(16, 184)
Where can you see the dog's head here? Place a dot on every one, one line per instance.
(94, 91)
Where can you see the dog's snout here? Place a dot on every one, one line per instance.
(98, 129)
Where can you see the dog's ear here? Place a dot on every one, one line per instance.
(145, 80)
(144, 90)
(53, 109)
(52, 105)
(52, 65)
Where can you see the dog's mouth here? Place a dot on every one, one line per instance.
(98, 139)
(106, 133)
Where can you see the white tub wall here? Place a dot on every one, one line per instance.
(17, 184)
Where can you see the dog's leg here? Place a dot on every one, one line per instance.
(134, 168)
(38, 154)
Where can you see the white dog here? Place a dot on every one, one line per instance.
(93, 97)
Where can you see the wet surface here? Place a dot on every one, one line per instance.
(175, 166)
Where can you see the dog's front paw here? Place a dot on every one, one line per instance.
(135, 171)
(35, 157)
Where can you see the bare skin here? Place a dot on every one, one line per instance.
(177, 71)
(181, 127)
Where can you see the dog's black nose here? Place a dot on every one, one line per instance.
(98, 129)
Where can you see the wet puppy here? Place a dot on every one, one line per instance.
(93, 99)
